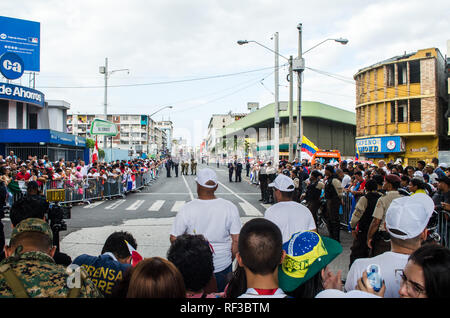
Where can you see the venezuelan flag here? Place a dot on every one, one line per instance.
(308, 146)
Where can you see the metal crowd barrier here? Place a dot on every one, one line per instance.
(443, 227)
(346, 210)
(90, 189)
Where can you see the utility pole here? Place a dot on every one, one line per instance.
(299, 70)
(106, 98)
(276, 137)
(291, 119)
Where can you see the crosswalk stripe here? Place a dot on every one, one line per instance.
(249, 209)
(115, 205)
(176, 207)
(93, 205)
(135, 205)
(157, 205)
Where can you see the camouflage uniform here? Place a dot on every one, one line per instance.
(36, 274)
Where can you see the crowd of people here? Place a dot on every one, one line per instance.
(280, 255)
(75, 176)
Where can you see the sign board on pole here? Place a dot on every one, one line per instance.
(103, 127)
(21, 37)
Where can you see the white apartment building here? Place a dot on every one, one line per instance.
(217, 122)
(135, 132)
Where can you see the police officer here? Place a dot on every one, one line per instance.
(262, 176)
(313, 193)
(271, 175)
(29, 270)
(238, 171)
(176, 163)
(333, 195)
(230, 171)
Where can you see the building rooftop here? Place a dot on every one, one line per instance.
(309, 109)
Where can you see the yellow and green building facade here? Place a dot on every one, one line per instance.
(402, 108)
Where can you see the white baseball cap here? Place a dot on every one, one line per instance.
(283, 183)
(205, 175)
(410, 215)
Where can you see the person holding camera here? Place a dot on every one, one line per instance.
(33, 205)
(29, 271)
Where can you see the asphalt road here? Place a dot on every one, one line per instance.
(148, 215)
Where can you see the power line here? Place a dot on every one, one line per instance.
(164, 82)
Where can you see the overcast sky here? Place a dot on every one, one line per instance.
(173, 40)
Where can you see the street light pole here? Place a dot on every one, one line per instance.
(291, 119)
(299, 95)
(299, 67)
(150, 118)
(104, 70)
(276, 154)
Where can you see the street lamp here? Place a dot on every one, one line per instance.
(149, 118)
(277, 115)
(104, 70)
(299, 67)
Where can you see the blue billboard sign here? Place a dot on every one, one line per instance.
(21, 94)
(21, 37)
(381, 144)
(11, 65)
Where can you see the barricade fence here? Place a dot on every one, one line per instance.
(90, 189)
(442, 227)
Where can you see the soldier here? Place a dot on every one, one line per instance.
(29, 270)
(186, 168)
(182, 167)
(193, 167)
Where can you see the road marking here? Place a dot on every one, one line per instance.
(114, 205)
(249, 209)
(93, 205)
(157, 205)
(254, 210)
(135, 205)
(266, 206)
(187, 186)
(178, 204)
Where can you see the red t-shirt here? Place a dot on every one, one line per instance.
(23, 176)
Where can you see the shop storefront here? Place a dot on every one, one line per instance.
(409, 149)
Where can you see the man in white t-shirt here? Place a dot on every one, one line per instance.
(216, 219)
(291, 217)
(406, 222)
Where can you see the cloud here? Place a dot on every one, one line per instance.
(162, 40)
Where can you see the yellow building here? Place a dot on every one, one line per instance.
(401, 108)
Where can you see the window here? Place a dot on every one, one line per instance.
(402, 111)
(4, 113)
(414, 109)
(414, 71)
(19, 113)
(401, 72)
(390, 75)
(392, 112)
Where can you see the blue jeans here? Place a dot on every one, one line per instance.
(222, 278)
